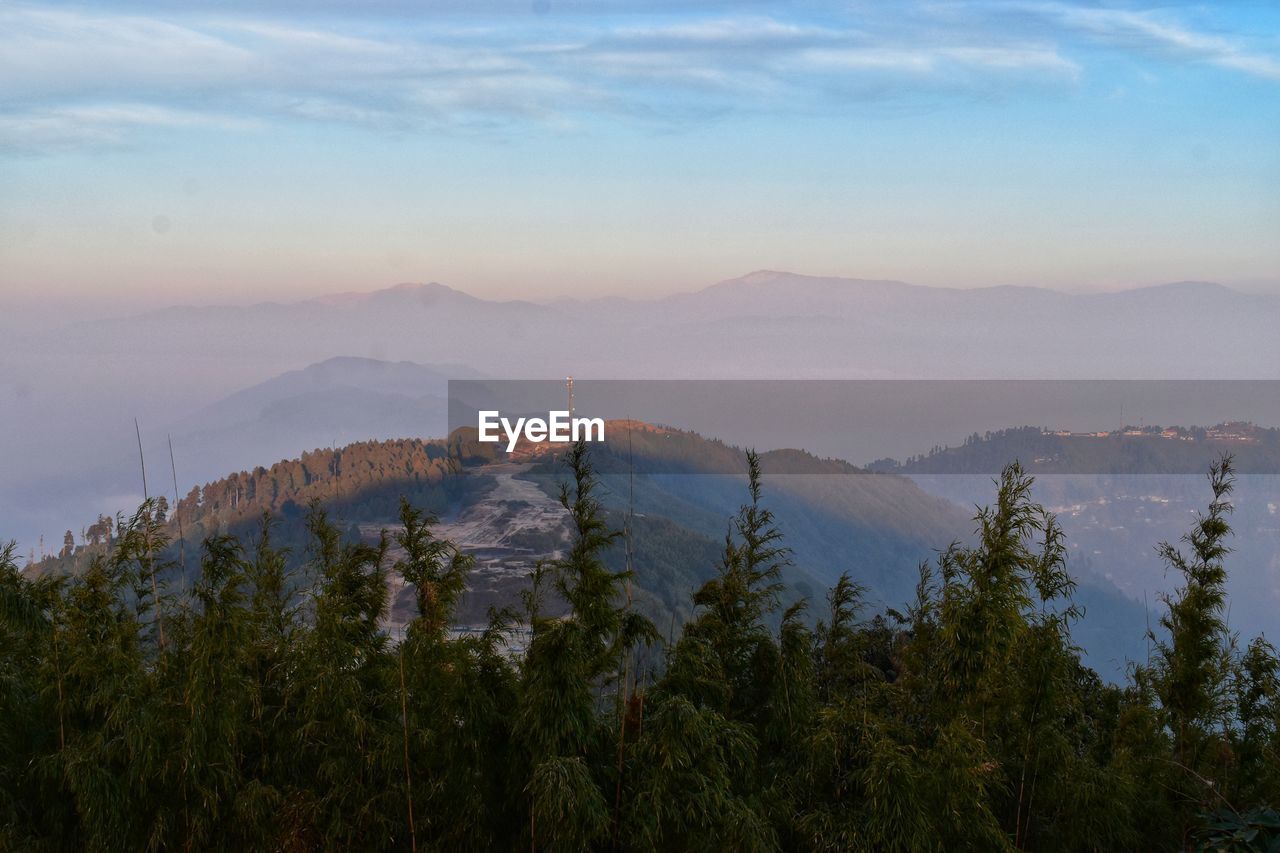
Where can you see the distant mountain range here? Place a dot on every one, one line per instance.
(297, 392)
(332, 403)
(234, 381)
(763, 325)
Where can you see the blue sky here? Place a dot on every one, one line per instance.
(154, 152)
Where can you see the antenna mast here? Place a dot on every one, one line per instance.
(141, 459)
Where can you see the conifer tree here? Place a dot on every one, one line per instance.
(457, 695)
(569, 661)
(262, 703)
(1190, 675)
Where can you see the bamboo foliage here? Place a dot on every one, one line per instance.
(264, 707)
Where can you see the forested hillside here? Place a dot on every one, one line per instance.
(1132, 450)
(675, 490)
(363, 481)
(267, 710)
(1117, 492)
(843, 518)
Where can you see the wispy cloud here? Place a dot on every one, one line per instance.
(104, 77)
(54, 129)
(1154, 33)
(782, 65)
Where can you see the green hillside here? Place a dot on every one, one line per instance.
(265, 706)
(672, 488)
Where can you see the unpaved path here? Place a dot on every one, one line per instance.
(491, 529)
(512, 507)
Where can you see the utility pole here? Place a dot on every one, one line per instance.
(568, 382)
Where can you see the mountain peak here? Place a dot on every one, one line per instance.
(1176, 292)
(767, 278)
(1190, 287)
(1185, 288)
(768, 275)
(405, 290)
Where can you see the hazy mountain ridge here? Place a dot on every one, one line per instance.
(335, 402)
(404, 380)
(767, 295)
(171, 367)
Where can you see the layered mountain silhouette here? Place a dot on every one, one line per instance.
(335, 402)
(329, 380)
(247, 385)
(763, 325)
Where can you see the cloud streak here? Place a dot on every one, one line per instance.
(1148, 32)
(105, 78)
(71, 127)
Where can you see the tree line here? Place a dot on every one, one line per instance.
(263, 707)
(360, 482)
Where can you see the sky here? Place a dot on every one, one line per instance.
(159, 153)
